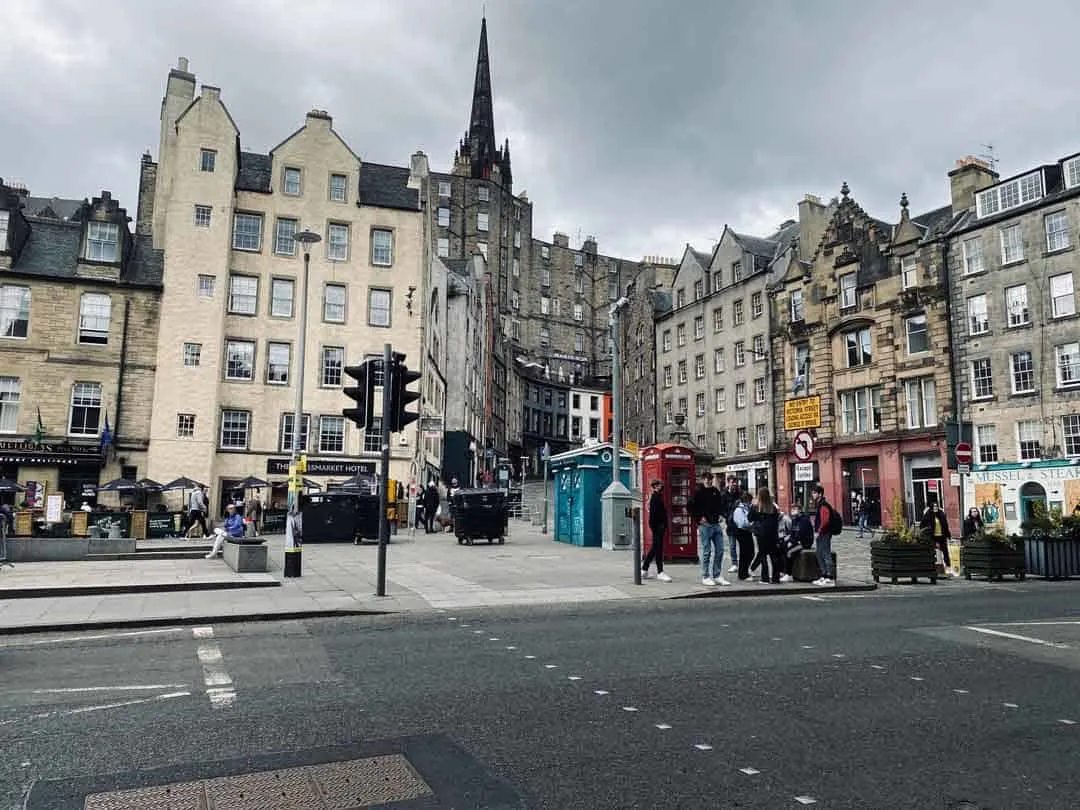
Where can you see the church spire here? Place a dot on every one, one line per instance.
(480, 142)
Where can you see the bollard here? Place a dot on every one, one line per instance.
(634, 513)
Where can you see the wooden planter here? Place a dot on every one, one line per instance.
(993, 560)
(897, 561)
(1052, 557)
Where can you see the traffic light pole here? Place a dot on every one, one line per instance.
(384, 483)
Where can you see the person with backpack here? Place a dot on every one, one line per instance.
(765, 527)
(743, 535)
(730, 498)
(827, 524)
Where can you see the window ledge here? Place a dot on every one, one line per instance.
(1058, 251)
(1014, 263)
(1023, 394)
(989, 398)
(975, 273)
(1061, 389)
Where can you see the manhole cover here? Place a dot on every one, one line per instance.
(348, 785)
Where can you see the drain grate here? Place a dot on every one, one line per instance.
(348, 785)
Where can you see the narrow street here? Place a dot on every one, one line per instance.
(914, 698)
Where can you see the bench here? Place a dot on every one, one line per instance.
(246, 555)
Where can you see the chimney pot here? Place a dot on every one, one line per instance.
(182, 64)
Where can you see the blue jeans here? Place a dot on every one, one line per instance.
(864, 523)
(711, 550)
(824, 555)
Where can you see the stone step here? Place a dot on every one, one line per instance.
(176, 554)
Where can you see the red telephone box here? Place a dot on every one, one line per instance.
(674, 465)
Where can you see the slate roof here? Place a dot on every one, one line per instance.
(387, 187)
(255, 172)
(765, 248)
(936, 222)
(53, 248)
(703, 258)
(42, 206)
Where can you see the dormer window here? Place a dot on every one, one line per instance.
(1072, 173)
(102, 242)
(1007, 196)
(4, 216)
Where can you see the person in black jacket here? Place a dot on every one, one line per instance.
(936, 525)
(973, 523)
(765, 526)
(431, 506)
(729, 499)
(705, 511)
(658, 525)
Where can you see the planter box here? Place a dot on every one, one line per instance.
(1052, 557)
(912, 561)
(993, 560)
(47, 549)
(246, 555)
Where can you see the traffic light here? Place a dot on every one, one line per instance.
(362, 393)
(400, 396)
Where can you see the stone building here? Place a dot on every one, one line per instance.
(466, 302)
(650, 296)
(545, 414)
(714, 364)
(1012, 257)
(590, 413)
(227, 220)
(79, 301)
(549, 301)
(861, 348)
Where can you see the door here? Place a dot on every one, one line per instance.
(565, 501)
(1032, 499)
(678, 488)
(923, 491)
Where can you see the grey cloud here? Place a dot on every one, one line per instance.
(647, 127)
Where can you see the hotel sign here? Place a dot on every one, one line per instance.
(323, 466)
(803, 413)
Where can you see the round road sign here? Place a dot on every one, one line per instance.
(803, 446)
(962, 453)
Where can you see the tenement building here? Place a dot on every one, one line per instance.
(861, 349)
(714, 361)
(649, 293)
(79, 300)
(549, 300)
(1012, 255)
(229, 222)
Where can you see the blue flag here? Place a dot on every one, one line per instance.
(106, 434)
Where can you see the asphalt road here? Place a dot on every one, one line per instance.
(929, 699)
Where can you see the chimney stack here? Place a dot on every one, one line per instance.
(812, 223)
(970, 176)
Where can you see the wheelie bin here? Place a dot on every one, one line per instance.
(480, 514)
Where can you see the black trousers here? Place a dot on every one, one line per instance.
(656, 553)
(746, 552)
(429, 518)
(196, 516)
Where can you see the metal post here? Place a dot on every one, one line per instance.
(384, 484)
(616, 398)
(635, 515)
(544, 525)
(293, 561)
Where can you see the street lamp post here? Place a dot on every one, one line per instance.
(294, 545)
(616, 499)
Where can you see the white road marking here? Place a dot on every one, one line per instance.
(530, 657)
(838, 655)
(573, 678)
(96, 708)
(806, 800)
(917, 678)
(703, 746)
(876, 666)
(478, 632)
(961, 691)
(149, 687)
(813, 599)
(749, 771)
(777, 638)
(102, 636)
(600, 692)
(1010, 705)
(463, 625)
(1017, 637)
(511, 647)
(219, 684)
(807, 646)
(629, 708)
(451, 618)
(551, 666)
(493, 639)
(663, 726)
(1065, 722)
(1032, 624)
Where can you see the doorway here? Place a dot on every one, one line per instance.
(925, 488)
(861, 482)
(1031, 494)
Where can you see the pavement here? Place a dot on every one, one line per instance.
(424, 572)
(845, 700)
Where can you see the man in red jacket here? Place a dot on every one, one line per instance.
(823, 534)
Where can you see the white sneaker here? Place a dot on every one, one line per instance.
(818, 581)
(734, 569)
(825, 582)
(708, 581)
(722, 581)
(663, 577)
(644, 574)
(786, 578)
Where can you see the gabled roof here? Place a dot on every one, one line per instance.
(387, 187)
(764, 248)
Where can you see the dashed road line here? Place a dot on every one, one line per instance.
(806, 800)
(601, 692)
(703, 746)
(749, 771)
(1066, 722)
(1011, 705)
(663, 726)
(219, 684)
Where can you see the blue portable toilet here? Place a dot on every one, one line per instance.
(581, 476)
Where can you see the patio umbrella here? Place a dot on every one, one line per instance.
(122, 485)
(251, 482)
(307, 482)
(7, 486)
(149, 485)
(183, 482)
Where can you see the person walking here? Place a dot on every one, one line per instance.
(936, 525)
(973, 524)
(431, 507)
(252, 515)
(731, 498)
(765, 528)
(705, 512)
(197, 510)
(861, 514)
(658, 525)
(827, 524)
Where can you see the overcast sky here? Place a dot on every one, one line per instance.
(648, 128)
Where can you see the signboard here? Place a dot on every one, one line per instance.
(323, 466)
(273, 521)
(804, 472)
(962, 451)
(162, 524)
(106, 520)
(631, 447)
(29, 454)
(803, 446)
(931, 486)
(962, 469)
(35, 494)
(802, 413)
(54, 507)
(954, 479)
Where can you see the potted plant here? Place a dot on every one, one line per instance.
(903, 550)
(1051, 543)
(994, 554)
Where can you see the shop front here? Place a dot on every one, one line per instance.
(71, 470)
(1006, 495)
(751, 475)
(324, 472)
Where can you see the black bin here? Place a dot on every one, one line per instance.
(337, 516)
(480, 514)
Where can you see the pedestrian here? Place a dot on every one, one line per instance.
(744, 536)
(197, 511)
(252, 514)
(431, 507)
(765, 528)
(658, 525)
(973, 524)
(827, 524)
(705, 509)
(861, 514)
(232, 527)
(731, 497)
(936, 525)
